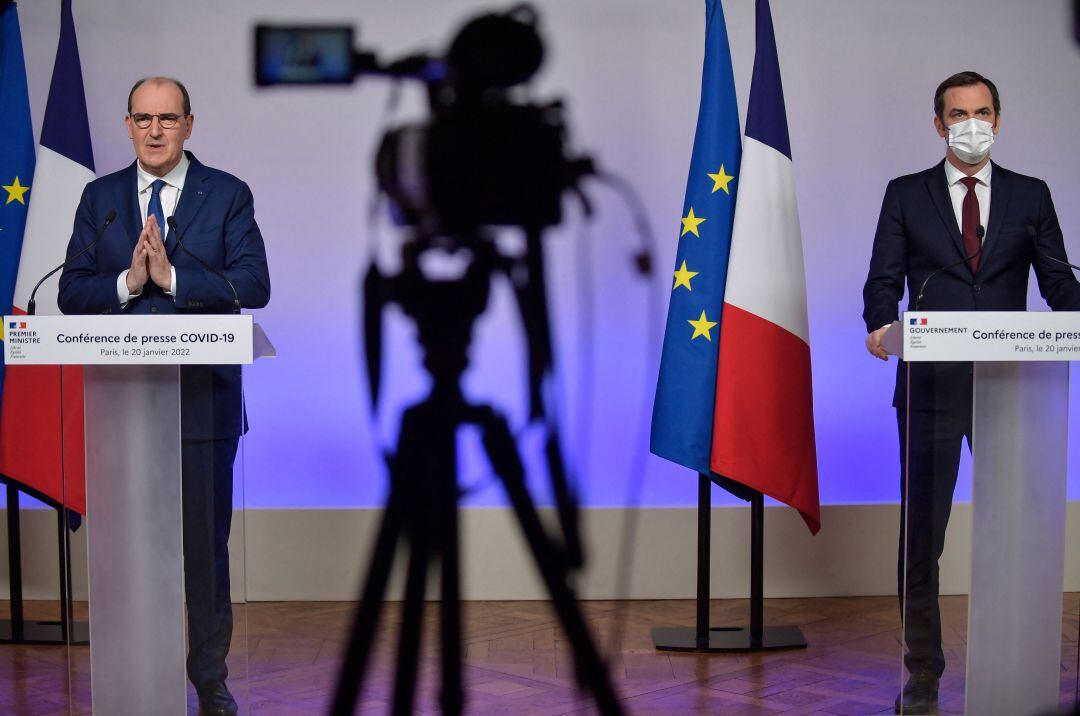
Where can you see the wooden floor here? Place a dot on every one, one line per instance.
(285, 661)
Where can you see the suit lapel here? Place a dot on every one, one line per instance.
(938, 186)
(1000, 191)
(127, 205)
(196, 188)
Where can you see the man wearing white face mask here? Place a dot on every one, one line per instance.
(991, 225)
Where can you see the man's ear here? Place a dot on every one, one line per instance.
(940, 127)
(127, 123)
(190, 126)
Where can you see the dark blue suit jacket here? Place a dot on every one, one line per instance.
(216, 217)
(917, 234)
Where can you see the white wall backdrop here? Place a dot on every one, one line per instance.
(858, 78)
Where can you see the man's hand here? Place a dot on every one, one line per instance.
(873, 343)
(140, 270)
(156, 258)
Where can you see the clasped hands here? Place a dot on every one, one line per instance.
(149, 260)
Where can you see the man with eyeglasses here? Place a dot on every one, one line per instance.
(135, 268)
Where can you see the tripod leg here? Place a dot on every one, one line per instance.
(412, 618)
(506, 462)
(565, 501)
(452, 698)
(351, 677)
(591, 669)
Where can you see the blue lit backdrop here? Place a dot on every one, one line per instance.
(858, 79)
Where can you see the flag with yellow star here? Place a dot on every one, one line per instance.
(16, 155)
(682, 422)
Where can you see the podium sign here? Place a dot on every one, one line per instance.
(991, 336)
(183, 339)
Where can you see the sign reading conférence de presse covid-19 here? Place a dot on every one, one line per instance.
(992, 336)
(96, 340)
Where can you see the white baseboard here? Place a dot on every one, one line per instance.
(320, 555)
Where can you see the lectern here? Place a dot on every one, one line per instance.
(132, 398)
(1019, 443)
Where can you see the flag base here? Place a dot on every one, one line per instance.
(728, 639)
(44, 633)
(17, 629)
(756, 637)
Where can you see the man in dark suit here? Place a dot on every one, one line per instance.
(135, 268)
(1003, 223)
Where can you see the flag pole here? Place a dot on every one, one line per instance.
(704, 532)
(14, 564)
(757, 570)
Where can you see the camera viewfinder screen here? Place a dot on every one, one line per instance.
(303, 55)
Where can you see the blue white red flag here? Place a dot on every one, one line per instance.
(763, 435)
(41, 423)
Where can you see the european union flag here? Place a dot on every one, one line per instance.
(16, 155)
(686, 390)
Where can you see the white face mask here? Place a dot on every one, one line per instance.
(971, 139)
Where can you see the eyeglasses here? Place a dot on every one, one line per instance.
(167, 121)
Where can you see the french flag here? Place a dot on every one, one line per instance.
(41, 425)
(763, 425)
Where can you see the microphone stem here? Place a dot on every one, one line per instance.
(31, 304)
(980, 232)
(171, 221)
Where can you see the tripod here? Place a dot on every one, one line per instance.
(421, 510)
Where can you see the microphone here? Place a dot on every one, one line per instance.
(979, 232)
(1031, 235)
(31, 305)
(171, 221)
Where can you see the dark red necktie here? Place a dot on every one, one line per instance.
(970, 224)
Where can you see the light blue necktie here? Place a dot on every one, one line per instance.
(154, 207)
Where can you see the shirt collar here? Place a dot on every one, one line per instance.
(954, 175)
(174, 178)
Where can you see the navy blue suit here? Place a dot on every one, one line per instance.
(216, 217)
(917, 234)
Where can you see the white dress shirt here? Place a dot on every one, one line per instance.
(169, 197)
(958, 191)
